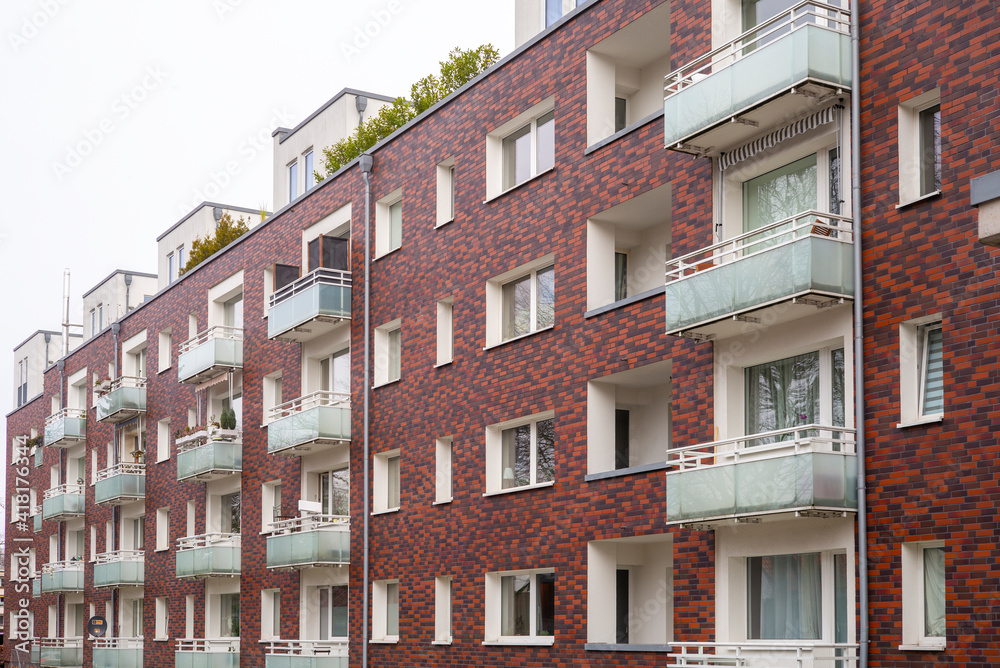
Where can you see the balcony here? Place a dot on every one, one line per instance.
(39, 457)
(120, 484)
(765, 654)
(123, 400)
(63, 502)
(772, 275)
(216, 350)
(36, 519)
(310, 540)
(65, 429)
(118, 652)
(62, 576)
(311, 306)
(204, 459)
(208, 555)
(783, 68)
(60, 652)
(809, 470)
(210, 653)
(124, 568)
(306, 654)
(310, 423)
(36, 586)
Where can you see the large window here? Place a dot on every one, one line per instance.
(785, 596)
(523, 607)
(229, 615)
(335, 492)
(529, 150)
(786, 393)
(528, 303)
(520, 453)
(333, 612)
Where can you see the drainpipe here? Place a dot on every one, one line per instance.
(61, 365)
(366, 162)
(859, 347)
(65, 322)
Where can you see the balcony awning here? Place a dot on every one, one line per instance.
(822, 117)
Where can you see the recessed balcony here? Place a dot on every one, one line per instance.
(120, 484)
(122, 400)
(63, 502)
(62, 576)
(765, 654)
(772, 275)
(216, 350)
(118, 652)
(124, 568)
(306, 654)
(60, 652)
(809, 470)
(311, 423)
(66, 428)
(309, 541)
(781, 69)
(208, 555)
(310, 306)
(204, 459)
(207, 653)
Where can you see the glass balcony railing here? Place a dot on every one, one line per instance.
(66, 428)
(802, 263)
(124, 568)
(208, 555)
(62, 576)
(123, 400)
(310, 540)
(118, 652)
(810, 469)
(309, 423)
(63, 502)
(120, 484)
(207, 653)
(210, 460)
(60, 652)
(306, 654)
(214, 351)
(36, 587)
(310, 306)
(39, 457)
(729, 95)
(36, 519)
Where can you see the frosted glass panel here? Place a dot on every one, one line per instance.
(322, 422)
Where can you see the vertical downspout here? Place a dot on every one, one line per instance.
(859, 347)
(366, 162)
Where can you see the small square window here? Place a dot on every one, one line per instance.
(520, 149)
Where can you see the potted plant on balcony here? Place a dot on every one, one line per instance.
(190, 435)
(226, 426)
(102, 386)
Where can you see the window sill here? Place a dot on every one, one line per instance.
(161, 639)
(518, 338)
(923, 648)
(522, 488)
(922, 198)
(624, 131)
(610, 647)
(386, 254)
(631, 470)
(441, 642)
(443, 223)
(524, 642)
(384, 512)
(933, 419)
(158, 373)
(443, 364)
(625, 302)
(388, 382)
(162, 549)
(443, 503)
(519, 185)
(383, 641)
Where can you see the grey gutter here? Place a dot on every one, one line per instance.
(366, 163)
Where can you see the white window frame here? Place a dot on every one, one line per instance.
(180, 258)
(445, 211)
(442, 610)
(495, 302)
(910, 167)
(494, 597)
(171, 277)
(164, 348)
(443, 474)
(912, 589)
(383, 223)
(273, 391)
(268, 614)
(494, 454)
(292, 179)
(163, 440)
(912, 364)
(445, 331)
(383, 468)
(267, 502)
(308, 166)
(380, 610)
(494, 148)
(386, 340)
(162, 628)
(162, 529)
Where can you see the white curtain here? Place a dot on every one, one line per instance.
(785, 597)
(782, 394)
(934, 621)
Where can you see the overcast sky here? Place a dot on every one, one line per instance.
(119, 116)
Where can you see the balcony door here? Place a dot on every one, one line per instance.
(229, 521)
(229, 615)
(756, 12)
(335, 492)
(332, 612)
(780, 194)
(335, 372)
(232, 312)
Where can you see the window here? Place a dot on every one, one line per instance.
(520, 302)
(385, 611)
(270, 614)
(445, 192)
(189, 616)
(162, 529)
(335, 492)
(93, 321)
(270, 504)
(171, 277)
(442, 609)
(389, 223)
(100, 317)
(919, 142)
(924, 590)
(921, 370)
(22, 381)
(442, 488)
(784, 597)
(310, 174)
(444, 331)
(520, 149)
(388, 352)
(180, 257)
(229, 616)
(162, 618)
(931, 370)
(163, 348)
(230, 513)
(520, 454)
(163, 440)
(272, 394)
(520, 607)
(293, 181)
(555, 9)
(333, 612)
(929, 122)
(387, 482)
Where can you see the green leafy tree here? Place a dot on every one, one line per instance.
(461, 67)
(226, 232)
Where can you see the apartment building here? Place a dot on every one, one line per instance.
(636, 350)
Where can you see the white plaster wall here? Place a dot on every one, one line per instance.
(200, 224)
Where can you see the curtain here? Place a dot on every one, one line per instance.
(517, 308)
(516, 456)
(545, 451)
(782, 394)
(933, 379)
(515, 605)
(934, 597)
(392, 609)
(785, 597)
(779, 194)
(621, 276)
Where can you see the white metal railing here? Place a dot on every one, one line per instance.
(208, 645)
(774, 654)
(216, 332)
(333, 648)
(67, 643)
(120, 555)
(63, 566)
(121, 469)
(808, 12)
(127, 381)
(64, 414)
(309, 401)
(118, 643)
(310, 523)
(36, 509)
(196, 439)
(68, 488)
(781, 233)
(321, 276)
(215, 539)
(793, 440)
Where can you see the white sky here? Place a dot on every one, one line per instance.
(155, 97)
